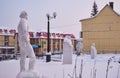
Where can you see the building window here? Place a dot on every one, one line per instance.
(6, 40)
(81, 34)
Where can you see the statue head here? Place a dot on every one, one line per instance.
(24, 15)
(93, 44)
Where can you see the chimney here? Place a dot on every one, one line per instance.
(111, 5)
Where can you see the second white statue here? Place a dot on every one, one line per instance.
(67, 50)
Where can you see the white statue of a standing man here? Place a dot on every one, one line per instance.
(24, 43)
(79, 46)
(67, 50)
(93, 51)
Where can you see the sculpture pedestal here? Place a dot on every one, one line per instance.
(28, 74)
(48, 56)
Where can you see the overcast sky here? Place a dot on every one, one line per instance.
(69, 12)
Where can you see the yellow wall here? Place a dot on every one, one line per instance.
(56, 45)
(11, 41)
(103, 30)
(1, 40)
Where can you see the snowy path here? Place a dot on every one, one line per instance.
(55, 69)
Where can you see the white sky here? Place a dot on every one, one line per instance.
(69, 12)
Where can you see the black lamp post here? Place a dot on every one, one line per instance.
(48, 55)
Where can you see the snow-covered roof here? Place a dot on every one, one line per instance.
(100, 12)
(38, 33)
(45, 30)
(42, 33)
(6, 31)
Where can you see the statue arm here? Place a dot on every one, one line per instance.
(25, 32)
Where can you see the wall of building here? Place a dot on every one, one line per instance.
(103, 30)
(1, 40)
(7, 44)
(56, 45)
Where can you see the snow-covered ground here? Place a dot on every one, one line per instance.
(55, 68)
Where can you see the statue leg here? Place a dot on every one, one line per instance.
(32, 57)
(32, 63)
(22, 60)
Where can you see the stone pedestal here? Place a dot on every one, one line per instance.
(48, 56)
(28, 74)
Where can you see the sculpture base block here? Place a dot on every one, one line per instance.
(28, 74)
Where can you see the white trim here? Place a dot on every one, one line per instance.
(3, 34)
(7, 47)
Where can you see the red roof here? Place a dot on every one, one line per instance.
(31, 34)
(71, 35)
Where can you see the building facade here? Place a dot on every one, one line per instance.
(56, 42)
(7, 41)
(40, 39)
(103, 30)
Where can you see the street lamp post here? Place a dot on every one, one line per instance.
(48, 55)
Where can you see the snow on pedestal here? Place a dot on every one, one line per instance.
(93, 51)
(67, 50)
(28, 74)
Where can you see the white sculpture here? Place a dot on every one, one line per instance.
(25, 48)
(67, 50)
(79, 46)
(93, 51)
